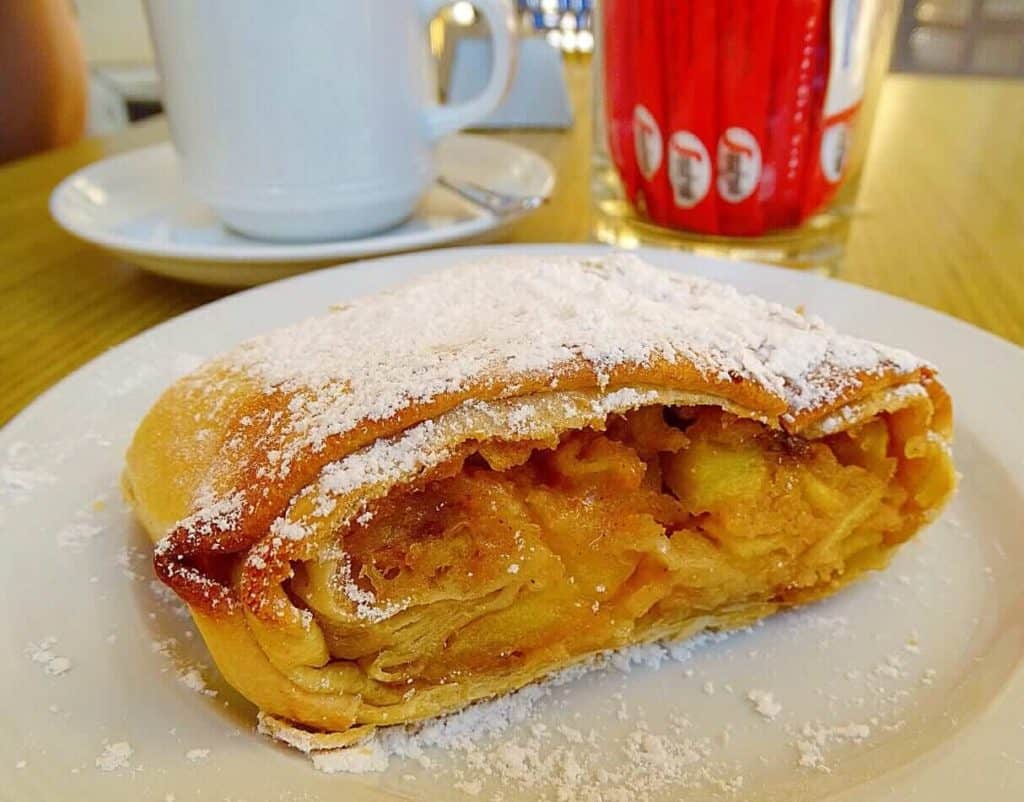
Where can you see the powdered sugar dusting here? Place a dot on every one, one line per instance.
(382, 461)
(764, 703)
(77, 534)
(192, 678)
(189, 674)
(359, 759)
(526, 314)
(21, 474)
(114, 756)
(213, 514)
(815, 738)
(844, 416)
(563, 758)
(168, 599)
(366, 604)
(53, 664)
(519, 316)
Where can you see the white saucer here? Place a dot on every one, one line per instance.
(136, 206)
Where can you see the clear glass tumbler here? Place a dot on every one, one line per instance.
(735, 127)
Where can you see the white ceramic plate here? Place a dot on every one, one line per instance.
(136, 205)
(924, 659)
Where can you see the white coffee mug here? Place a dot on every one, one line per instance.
(311, 120)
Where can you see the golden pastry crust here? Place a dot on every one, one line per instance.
(252, 465)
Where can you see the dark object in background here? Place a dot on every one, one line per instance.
(42, 77)
(966, 37)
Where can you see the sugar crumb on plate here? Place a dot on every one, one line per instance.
(764, 703)
(114, 756)
(53, 664)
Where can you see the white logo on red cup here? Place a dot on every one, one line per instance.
(834, 147)
(689, 169)
(739, 164)
(647, 140)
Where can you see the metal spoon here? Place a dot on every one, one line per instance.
(501, 204)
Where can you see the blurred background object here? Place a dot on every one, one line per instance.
(975, 37)
(42, 77)
(567, 24)
(123, 84)
(736, 129)
(668, 169)
(980, 37)
(538, 97)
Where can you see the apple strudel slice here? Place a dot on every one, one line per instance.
(446, 491)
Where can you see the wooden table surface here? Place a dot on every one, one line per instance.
(940, 221)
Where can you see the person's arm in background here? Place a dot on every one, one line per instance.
(42, 77)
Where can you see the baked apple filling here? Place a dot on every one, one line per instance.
(531, 554)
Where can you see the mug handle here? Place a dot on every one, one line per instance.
(443, 118)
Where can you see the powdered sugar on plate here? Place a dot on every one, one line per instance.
(114, 756)
(189, 674)
(764, 703)
(501, 742)
(815, 738)
(21, 475)
(77, 534)
(42, 653)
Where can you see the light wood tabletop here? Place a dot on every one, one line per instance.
(940, 221)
